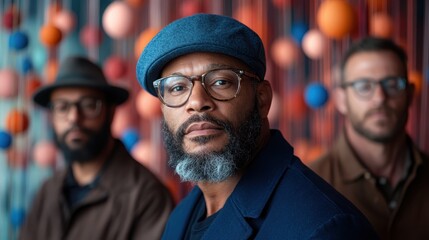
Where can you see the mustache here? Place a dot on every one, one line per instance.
(76, 127)
(199, 118)
(384, 109)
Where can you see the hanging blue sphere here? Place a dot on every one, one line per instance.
(18, 40)
(5, 139)
(298, 31)
(316, 95)
(130, 137)
(17, 216)
(26, 65)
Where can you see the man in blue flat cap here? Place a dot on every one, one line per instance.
(103, 193)
(208, 71)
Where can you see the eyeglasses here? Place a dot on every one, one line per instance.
(365, 88)
(89, 107)
(220, 84)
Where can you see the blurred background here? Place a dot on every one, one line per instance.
(304, 42)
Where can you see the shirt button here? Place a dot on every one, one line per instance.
(393, 204)
(367, 175)
(382, 181)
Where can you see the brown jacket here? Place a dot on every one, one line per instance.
(409, 220)
(129, 202)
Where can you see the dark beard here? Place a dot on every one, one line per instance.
(218, 165)
(96, 143)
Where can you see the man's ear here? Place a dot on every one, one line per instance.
(339, 97)
(264, 96)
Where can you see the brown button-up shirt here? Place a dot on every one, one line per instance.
(128, 202)
(406, 218)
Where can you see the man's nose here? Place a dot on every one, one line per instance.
(199, 100)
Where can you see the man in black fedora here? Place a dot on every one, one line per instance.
(103, 193)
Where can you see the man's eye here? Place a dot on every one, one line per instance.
(60, 107)
(89, 105)
(221, 82)
(177, 89)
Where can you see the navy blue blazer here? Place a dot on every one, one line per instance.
(277, 198)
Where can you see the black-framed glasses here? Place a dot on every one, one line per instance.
(221, 84)
(89, 107)
(365, 88)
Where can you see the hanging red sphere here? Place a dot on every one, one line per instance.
(9, 81)
(90, 36)
(11, 18)
(115, 67)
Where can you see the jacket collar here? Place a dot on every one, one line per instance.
(253, 191)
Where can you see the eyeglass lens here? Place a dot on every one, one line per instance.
(88, 107)
(220, 84)
(391, 86)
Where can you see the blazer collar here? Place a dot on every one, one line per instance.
(253, 191)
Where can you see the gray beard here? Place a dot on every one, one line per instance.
(214, 166)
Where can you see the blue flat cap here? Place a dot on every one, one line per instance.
(200, 33)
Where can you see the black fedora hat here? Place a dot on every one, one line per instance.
(79, 71)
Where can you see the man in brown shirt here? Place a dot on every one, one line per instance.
(103, 193)
(374, 163)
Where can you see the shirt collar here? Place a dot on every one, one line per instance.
(352, 169)
(350, 166)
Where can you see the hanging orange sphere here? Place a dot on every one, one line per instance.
(17, 121)
(33, 83)
(50, 35)
(381, 25)
(51, 70)
(148, 106)
(336, 18)
(143, 39)
(416, 78)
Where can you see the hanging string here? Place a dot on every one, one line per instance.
(424, 128)
(93, 14)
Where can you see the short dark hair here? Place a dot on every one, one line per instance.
(374, 44)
